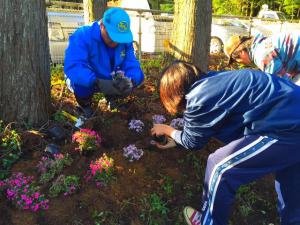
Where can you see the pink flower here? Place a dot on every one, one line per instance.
(28, 201)
(86, 139)
(2, 183)
(35, 207)
(18, 183)
(22, 192)
(59, 156)
(36, 195)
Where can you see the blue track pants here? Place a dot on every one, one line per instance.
(243, 161)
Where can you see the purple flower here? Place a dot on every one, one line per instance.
(10, 194)
(132, 153)
(36, 195)
(157, 119)
(136, 125)
(99, 184)
(177, 123)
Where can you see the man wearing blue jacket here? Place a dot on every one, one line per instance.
(100, 58)
(256, 115)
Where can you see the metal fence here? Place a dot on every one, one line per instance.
(152, 29)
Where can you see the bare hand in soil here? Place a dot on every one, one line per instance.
(161, 129)
(170, 144)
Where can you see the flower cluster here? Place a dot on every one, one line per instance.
(157, 119)
(136, 125)
(69, 185)
(101, 170)
(22, 192)
(132, 153)
(87, 140)
(50, 167)
(177, 123)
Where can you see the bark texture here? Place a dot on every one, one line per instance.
(190, 39)
(24, 62)
(93, 10)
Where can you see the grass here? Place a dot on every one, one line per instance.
(154, 211)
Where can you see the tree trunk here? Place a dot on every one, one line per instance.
(93, 10)
(252, 8)
(190, 39)
(24, 62)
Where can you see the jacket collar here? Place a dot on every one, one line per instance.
(96, 33)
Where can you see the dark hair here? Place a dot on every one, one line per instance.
(175, 83)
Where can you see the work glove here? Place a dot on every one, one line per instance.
(120, 87)
(124, 85)
(108, 87)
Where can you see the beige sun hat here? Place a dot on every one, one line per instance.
(232, 44)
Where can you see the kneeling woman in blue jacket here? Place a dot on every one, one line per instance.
(257, 117)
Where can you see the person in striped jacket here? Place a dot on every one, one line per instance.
(256, 116)
(278, 54)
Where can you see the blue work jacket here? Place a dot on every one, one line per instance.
(87, 58)
(232, 104)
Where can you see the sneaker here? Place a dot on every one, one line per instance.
(87, 111)
(192, 216)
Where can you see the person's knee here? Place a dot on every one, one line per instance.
(83, 92)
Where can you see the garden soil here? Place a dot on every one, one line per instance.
(174, 176)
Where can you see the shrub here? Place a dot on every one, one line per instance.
(10, 149)
(49, 167)
(64, 184)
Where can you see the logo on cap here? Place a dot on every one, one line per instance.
(123, 26)
(123, 54)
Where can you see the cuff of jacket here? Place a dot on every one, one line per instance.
(176, 135)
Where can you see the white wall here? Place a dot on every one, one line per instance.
(148, 24)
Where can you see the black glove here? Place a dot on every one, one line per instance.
(108, 87)
(120, 87)
(124, 85)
